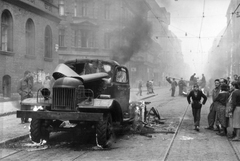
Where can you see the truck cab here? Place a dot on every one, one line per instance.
(83, 91)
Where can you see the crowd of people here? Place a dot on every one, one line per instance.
(225, 108)
(224, 113)
(149, 86)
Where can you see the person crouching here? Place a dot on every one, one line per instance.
(194, 98)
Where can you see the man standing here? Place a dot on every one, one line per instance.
(192, 79)
(139, 88)
(203, 81)
(173, 85)
(181, 85)
(24, 88)
(196, 96)
(213, 106)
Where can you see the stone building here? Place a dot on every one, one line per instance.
(28, 37)
(110, 29)
(224, 57)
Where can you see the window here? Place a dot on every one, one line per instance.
(61, 37)
(30, 37)
(91, 40)
(107, 11)
(84, 39)
(121, 76)
(6, 31)
(48, 42)
(82, 8)
(107, 41)
(77, 40)
(61, 8)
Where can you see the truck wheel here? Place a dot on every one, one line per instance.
(104, 130)
(38, 131)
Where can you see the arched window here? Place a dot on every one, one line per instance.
(48, 42)
(30, 37)
(6, 31)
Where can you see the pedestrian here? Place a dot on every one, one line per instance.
(181, 85)
(192, 80)
(221, 102)
(139, 88)
(148, 87)
(212, 111)
(236, 111)
(151, 86)
(173, 85)
(25, 86)
(47, 82)
(235, 77)
(194, 98)
(229, 119)
(203, 82)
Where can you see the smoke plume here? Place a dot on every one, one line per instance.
(135, 37)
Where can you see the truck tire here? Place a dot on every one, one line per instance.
(104, 130)
(38, 131)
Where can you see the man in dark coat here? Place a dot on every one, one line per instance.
(181, 85)
(192, 79)
(196, 96)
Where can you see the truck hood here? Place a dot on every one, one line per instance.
(63, 70)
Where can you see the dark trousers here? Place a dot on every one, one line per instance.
(25, 107)
(173, 92)
(212, 115)
(196, 116)
(180, 91)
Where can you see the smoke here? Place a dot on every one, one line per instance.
(135, 37)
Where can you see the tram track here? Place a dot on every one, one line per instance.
(234, 149)
(165, 158)
(174, 136)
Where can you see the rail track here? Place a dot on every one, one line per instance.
(165, 158)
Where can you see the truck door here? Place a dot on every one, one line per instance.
(121, 88)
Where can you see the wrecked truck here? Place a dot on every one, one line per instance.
(87, 93)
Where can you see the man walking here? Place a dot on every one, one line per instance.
(173, 85)
(196, 96)
(213, 106)
(24, 88)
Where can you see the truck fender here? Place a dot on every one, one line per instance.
(116, 111)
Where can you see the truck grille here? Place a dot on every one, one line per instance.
(64, 99)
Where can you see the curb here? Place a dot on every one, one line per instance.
(148, 97)
(4, 142)
(7, 113)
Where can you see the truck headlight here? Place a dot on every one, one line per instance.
(45, 93)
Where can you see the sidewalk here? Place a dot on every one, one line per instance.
(12, 130)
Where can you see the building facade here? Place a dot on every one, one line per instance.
(114, 29)
(224, 57)
(28, 36)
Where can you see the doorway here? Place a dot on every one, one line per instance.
(6, 85)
